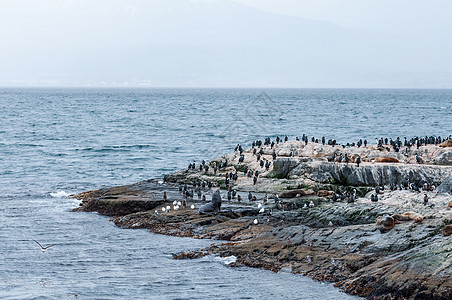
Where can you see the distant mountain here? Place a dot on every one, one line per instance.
(204, 43)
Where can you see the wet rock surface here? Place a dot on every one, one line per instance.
(122, 200)
(307, 231)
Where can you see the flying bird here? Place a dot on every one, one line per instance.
(43, 249)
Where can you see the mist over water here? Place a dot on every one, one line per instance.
(55, 142)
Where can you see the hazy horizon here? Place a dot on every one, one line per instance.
(225, 44)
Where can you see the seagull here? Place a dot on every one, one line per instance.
(311, 204)
(174, 203)
(330, 224)
(261, 210)
(255, 222)
(259, 205)
(163, 209)
(179, 203)
(305, 205)
(43, 249)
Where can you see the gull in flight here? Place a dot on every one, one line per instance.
(43, 249)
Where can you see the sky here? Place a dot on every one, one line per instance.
(222, 43)
(416, 18)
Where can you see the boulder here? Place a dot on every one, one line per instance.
(445, 186)
(443, 157)
(282, 167)
(364, 175)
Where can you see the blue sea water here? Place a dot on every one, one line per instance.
(55, 142)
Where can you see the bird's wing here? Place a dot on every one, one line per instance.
(38, 244)
(49, 246)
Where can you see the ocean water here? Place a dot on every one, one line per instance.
(55, 142)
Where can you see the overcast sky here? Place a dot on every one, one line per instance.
(221, 43)
(418, 18)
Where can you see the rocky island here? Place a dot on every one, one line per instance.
(375, 220)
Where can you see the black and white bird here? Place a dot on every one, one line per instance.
(43, 249)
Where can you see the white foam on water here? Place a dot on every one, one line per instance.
(59, 194)
(227, 260)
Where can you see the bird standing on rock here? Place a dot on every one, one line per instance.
(358, 161)
(418, 159)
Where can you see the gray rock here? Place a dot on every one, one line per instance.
(367, 175)
(445, 186)
(283, 166)
(443, 157)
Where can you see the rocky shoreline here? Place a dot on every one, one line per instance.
(310, 213)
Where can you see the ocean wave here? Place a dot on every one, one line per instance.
(227, 260)
(114, 148)
(59, 194)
